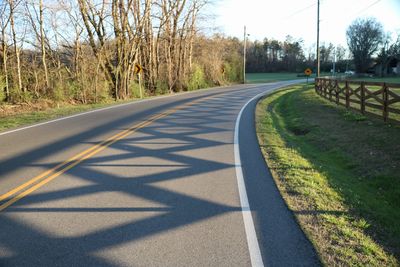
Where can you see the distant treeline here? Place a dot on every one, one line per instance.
(370, 50)
(271, 55)
(86, 51)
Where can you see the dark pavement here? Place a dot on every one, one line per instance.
(162, 191)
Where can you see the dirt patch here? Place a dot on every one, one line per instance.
(299, 131)
(14, 109)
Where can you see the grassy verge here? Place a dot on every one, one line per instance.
(339, 173)
(390, 79)
(275, 77)
(270, 77)
(29, 115)
(378, 79)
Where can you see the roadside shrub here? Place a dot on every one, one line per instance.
(2, 96)
(161, 88)
(2, 88)
(231, 72)
(58, 93)
(197, 79)
(17, 96)
(72, 90)
(135, 90)
(102, 94)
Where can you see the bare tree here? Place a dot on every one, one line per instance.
(35, 15)
(177, 36)
(13, 4)
(79, 49)
(340, 53)
(4, 21)
(364, 36)
(73, 39)
(126, 20)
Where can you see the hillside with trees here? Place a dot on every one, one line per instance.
(86, 51)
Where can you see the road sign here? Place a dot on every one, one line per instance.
(138, 68)
(308, 72)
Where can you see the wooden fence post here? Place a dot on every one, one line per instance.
(385, 97)
(326, 87)
(315, 85)
(347, 94)
(337, 88)
(322, 86)
(362, 97)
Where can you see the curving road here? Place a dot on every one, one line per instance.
(151, 183)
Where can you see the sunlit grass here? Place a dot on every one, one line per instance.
(339, 172)
(270, 77)
(379, 79)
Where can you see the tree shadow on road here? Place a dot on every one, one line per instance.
(123, 169)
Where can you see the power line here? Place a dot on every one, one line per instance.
(299, 11)
(353, 14)
(368, 7)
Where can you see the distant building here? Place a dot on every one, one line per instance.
(389, 67)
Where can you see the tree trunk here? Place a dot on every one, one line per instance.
(16, 50)
(5, 69)
(97, 47)
(42, 44)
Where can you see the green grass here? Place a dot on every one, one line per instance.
(339, 173)
(391, 79)
(30, 117)
(275, 77)
(270, 77)
(378, 79)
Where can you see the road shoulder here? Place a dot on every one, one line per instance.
(281, 240)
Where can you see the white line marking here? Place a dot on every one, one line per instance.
(252, 242)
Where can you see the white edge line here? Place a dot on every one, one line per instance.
(252, 241)
(105, 108)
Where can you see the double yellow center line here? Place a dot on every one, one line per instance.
(40, 180)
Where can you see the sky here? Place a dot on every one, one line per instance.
(279, 18)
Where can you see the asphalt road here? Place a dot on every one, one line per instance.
(152, 183)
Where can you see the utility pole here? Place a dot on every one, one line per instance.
(244, 55)
(334, 62)
(318, 59)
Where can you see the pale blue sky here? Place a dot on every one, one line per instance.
(278, 18)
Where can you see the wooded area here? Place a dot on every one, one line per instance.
(271, 55)
(370, 50)
(372, 98)
(86, 50)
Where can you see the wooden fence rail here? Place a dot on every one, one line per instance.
(377, 99)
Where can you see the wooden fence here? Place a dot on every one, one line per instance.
(373, 98)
